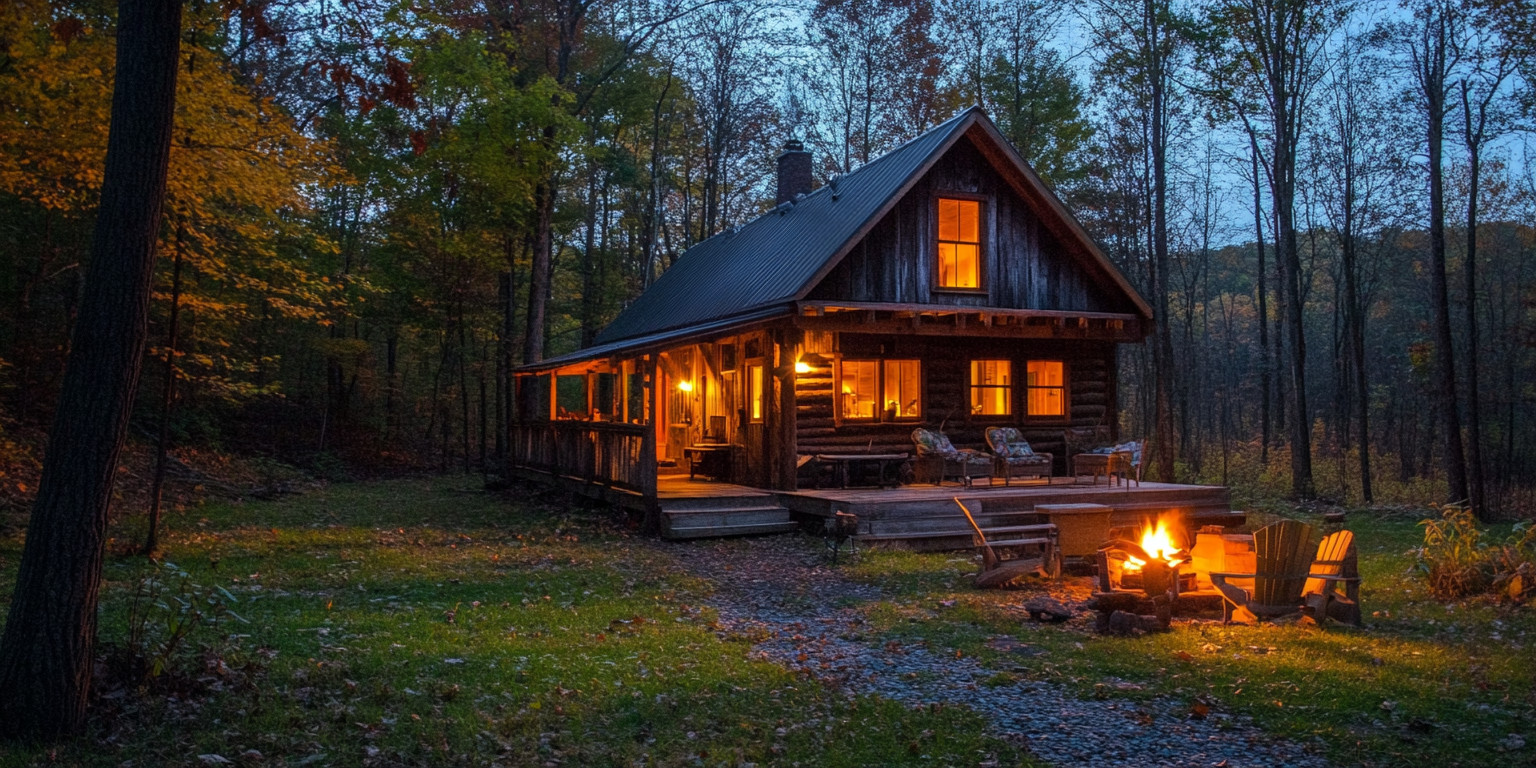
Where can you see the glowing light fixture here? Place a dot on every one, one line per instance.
(801, 367)
(685, 386)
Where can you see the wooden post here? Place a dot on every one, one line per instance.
(786, 450)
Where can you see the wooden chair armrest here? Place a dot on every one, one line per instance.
(1232, 575)
(1331, 577)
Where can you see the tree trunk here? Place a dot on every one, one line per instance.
(167, 399)
(539, 271)
(1264, 367)
(47, 651)
(1440, 303)
(1476, 489)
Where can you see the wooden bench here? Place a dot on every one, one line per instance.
(886, 466)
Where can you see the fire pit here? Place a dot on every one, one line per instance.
(1151, 566)
(1139, 581)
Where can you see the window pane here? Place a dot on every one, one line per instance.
(903, 389)
(755, 384)
(969, 213)
(949, 219)
(991, 387)
(966, 267)
(947, 265)
(860, 399)
(1046, 382)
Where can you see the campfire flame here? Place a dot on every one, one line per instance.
(1157, 542)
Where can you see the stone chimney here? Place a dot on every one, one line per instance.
(794, 172)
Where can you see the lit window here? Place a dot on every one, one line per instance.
(755, 391)
(991, 387)
(903, 389)
(1046, 387)
(888, 389)
(959, 244)
(860, 396)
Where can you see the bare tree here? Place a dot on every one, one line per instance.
(1272, 51)
(1432, 47)
(1142, 47)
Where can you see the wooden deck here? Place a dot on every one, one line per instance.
(920, 516)
(923, 516)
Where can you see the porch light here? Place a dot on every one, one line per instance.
(685, 386)
(802, 367)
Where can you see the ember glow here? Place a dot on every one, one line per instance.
(1158, 542)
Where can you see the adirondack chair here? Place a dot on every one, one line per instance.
(1280, 570)
(1003, 561)
(1336, 566)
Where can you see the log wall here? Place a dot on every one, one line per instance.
(946, 382)
(1026, 266)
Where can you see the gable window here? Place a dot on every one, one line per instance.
(959, 247)
(870, 390)
(991, 387)
(1046, 388)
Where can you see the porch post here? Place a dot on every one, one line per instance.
(786, 448)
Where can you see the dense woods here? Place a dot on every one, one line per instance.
(375, 210)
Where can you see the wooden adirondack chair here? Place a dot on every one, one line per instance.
(1280, 570)
(1336, 566)
(1003, 561)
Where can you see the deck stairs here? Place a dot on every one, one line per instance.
(741, 515)
(930, 526)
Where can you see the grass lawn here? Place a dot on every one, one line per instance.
(423, 622)
(427, 623)
(1426, 683)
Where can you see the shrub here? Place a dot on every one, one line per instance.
(165, 610)
(1458, 561)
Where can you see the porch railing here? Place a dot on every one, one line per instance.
(619, 455)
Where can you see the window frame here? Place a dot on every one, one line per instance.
(1012, 387)
(879, 417)
(1066, 392)
(757, 399)
(983, 232)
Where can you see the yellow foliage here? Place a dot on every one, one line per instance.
(238, 172)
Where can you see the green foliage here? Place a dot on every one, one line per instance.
(165, 609)
(1458, 561)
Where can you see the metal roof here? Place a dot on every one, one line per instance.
(769, 259)
(760, 268)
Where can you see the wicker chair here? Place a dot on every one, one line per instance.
(1013, 457)
(938, 459)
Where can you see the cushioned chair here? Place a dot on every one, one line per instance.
(1013, 457)
(938, 459)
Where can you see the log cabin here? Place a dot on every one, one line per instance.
(942, 285)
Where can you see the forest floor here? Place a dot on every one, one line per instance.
(427, 622)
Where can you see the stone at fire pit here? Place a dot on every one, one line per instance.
(1050, 609)
(1127, 613)
(1126, 624)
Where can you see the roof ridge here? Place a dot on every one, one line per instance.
(842, 178)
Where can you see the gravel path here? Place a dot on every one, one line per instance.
(783, 590)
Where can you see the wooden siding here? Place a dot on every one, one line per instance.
(946, 380)
(1026, 266)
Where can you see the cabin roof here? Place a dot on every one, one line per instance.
(761, 268)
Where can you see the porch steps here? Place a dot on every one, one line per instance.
(704, 518)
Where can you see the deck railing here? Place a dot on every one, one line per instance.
(619, 455)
